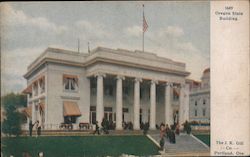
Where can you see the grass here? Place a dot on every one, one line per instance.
(204, 138)
(79, 146)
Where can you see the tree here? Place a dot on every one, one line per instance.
(13, 120)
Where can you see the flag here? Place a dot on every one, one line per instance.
(145, 25)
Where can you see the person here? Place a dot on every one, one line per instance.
(105, 125)
(145, 128)
(187, 127)
(162, 130)
(172, 135)
(177, 129)
(97, 128)
(167, 130)
(39, 129)
(162, 142)
(31, 127)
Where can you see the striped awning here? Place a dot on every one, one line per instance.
(28, 111)
(71, 109)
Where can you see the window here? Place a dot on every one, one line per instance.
(204, 101)
(204, 112)
(42, 85)
(195, 113)
(125, 110)
(70, 119)
(125, 90)
(70, 83)
(93, 91)
(108, 109)
(109, 90)
(92, 114)
(35, 87)
(141, 93)
(140, 116)
(176, 95)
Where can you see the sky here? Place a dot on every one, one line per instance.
(176, 30)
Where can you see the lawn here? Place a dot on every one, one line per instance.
(79, 146)
(204, 138)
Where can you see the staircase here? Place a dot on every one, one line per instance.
(185, 144)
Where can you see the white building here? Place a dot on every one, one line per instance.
(123, 86)
(199, 108)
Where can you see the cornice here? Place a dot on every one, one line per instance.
(103, 59)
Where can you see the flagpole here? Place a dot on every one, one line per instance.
(78, 45)
(142, 28)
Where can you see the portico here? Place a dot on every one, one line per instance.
(119, 100)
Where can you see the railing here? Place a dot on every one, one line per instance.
(200, 128)
(62, 126)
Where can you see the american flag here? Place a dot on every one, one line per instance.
(145, 25)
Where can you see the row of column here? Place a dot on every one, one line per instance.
(119, 79)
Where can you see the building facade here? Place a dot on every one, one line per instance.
(199, 108)
(122, 86)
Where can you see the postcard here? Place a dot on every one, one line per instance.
(129, 78)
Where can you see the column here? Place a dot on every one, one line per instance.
(33, 112)
(181, 109)
(186, 102)
(99, 97)
(46, 100)
(137, 104)
(152, 105)
(119, 102)
(168, 107)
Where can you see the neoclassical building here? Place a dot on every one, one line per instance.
(199, 109)
(122, 86)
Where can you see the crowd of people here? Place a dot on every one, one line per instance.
(170, 132)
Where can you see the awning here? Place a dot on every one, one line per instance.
(176, 92)
(28, 111)
(42, 106)
(70, 76)
(28, 90)
(71, 109)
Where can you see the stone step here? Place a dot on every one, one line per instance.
(184, 143)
